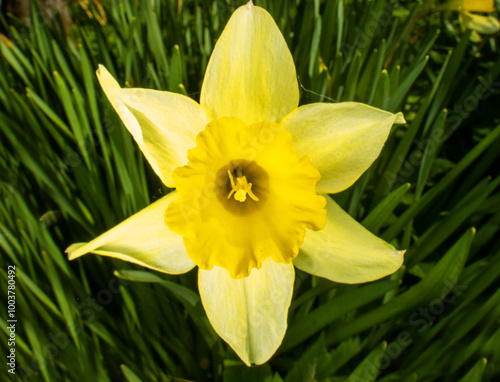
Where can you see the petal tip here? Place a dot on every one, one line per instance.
(73, 252)
(401, 253)
(400, 119)
(99, 68)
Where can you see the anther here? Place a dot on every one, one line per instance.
(240, 187)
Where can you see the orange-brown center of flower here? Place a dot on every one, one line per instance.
(242, 186)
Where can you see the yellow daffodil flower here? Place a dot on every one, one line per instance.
(478, 23)
(252, 172)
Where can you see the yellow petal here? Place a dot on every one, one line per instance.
(344, 251)
(251, 74)
(141, 239)
(249, 313)
(480, 24)
(468, 6)
(478, 5)
(342, 140)
(228, 229)
(163, 124)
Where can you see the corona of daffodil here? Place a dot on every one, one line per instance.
(252, 173)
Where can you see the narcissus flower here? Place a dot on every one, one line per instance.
(252, 173)
(469, 18)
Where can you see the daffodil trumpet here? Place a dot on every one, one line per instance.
(252, 173)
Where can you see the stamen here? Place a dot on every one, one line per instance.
(240, 188)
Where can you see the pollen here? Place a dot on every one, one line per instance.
(241, 187)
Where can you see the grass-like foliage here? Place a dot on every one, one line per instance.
(69, 170)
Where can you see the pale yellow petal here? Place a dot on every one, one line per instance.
(342, 140)
(142, 239)
(475, 37)
(344, 251)
(251, 74)
(250, 313)
(481, 24)
(163, 124)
